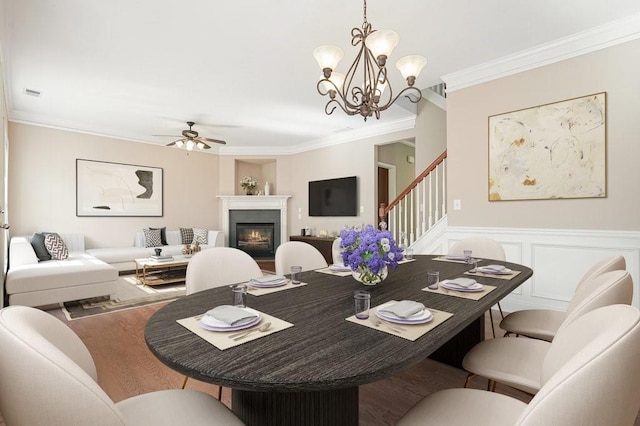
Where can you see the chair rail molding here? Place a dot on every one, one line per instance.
(255, 202)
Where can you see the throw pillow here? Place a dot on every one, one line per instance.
(37, 242)
(163, 234)
(56, 247)
(200, 235)
(187, 235)
(152, 238)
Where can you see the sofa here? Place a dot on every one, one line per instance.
(123, 258)
(32, 282)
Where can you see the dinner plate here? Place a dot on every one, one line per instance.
(417, 318)
(268, 284)
(455, 257)
(472, 288)
(210, 323)
(339, 268)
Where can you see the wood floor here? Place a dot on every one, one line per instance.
(127, 368)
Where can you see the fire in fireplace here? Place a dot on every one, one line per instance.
(256, 239)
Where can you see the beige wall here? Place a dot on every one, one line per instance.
(42, 194)
(431, 134)
(615, 70)
(396, 154)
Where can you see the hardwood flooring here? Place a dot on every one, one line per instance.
(127, 368)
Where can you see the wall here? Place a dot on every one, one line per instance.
(615, 70)
(431, 134)
(42, 184)
(396, 154)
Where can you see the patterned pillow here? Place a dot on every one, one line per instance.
(56, 247)
(187, 235)
(200, 235)
(163, 235)
(152, 238)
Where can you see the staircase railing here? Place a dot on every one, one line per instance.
(420, 205)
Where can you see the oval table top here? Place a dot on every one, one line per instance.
(322, 351)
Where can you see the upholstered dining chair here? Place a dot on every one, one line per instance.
(519, 362)
(47, 377)
(219, 266)
(484, 248)
(298, 253)
(591, 376)
(544, 323)
(336, 252)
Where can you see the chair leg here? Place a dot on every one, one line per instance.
(185, 381)
(500, 309)
(493, 329)
(470, 377)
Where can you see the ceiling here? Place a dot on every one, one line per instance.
(243, 69)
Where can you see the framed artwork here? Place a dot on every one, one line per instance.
(114, 189)
(550, 151)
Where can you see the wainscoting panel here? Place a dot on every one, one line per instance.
(559, 258)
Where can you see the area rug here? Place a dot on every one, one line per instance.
(129, 294)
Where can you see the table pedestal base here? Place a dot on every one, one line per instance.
(334, 407)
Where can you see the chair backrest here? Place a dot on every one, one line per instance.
(298, 253)
(614, 263)
(591, 374)
(481, 247)
(47, 375)
(610, 288)
(336, 252)
(219, 266)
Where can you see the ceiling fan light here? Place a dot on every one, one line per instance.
(382, 43)
(411, 66)
(328, 56)
(190, 145)
(179, 144)
(200, 145)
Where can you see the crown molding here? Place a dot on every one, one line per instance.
(597, 38)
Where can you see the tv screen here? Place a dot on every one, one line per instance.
(334, 197)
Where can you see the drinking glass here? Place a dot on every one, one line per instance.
(363, 302)
(296, 271)
(239, 295)
(408, 253)
(433, 278)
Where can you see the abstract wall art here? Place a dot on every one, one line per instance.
(114, 189)
(551, 151)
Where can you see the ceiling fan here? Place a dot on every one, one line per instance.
(190, 139)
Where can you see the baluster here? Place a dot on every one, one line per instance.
(444, 184)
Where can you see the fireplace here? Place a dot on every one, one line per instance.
(257, 232)
(256, 239)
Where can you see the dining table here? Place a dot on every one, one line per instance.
(309, 373)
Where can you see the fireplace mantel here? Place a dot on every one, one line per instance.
(255, 202)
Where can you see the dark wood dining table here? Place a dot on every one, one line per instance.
(309, 374)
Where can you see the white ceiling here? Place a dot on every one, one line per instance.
(243, 69)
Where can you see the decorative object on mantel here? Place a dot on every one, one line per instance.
(549, 151)
(248, 183)
(369, 252)
(267, 188)
(364, 97)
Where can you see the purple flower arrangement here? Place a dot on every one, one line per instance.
(369, 251)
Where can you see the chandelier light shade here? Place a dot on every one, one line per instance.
(362, 89)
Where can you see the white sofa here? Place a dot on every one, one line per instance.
(123, 258)
(31, 282)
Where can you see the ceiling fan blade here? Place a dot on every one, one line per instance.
(212, 140)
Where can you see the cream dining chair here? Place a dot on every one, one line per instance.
(47, 377)
(336, 252)
(298, 253)
(519, 362)
(591, 376)
(544, 323)
(217, 267)
(483, 248)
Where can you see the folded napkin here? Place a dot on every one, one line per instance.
(455, 257)
(403, 309)
(494, 269)
(268, 279)
(462, 282)
(231, 315)
(340, 268)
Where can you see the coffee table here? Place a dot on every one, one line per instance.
(151, 272)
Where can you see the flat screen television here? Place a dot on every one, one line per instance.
(334, 197)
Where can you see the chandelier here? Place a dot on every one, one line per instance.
(366, 97)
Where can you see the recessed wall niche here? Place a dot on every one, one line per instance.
(263, 170)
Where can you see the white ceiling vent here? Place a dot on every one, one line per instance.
(32, 92)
